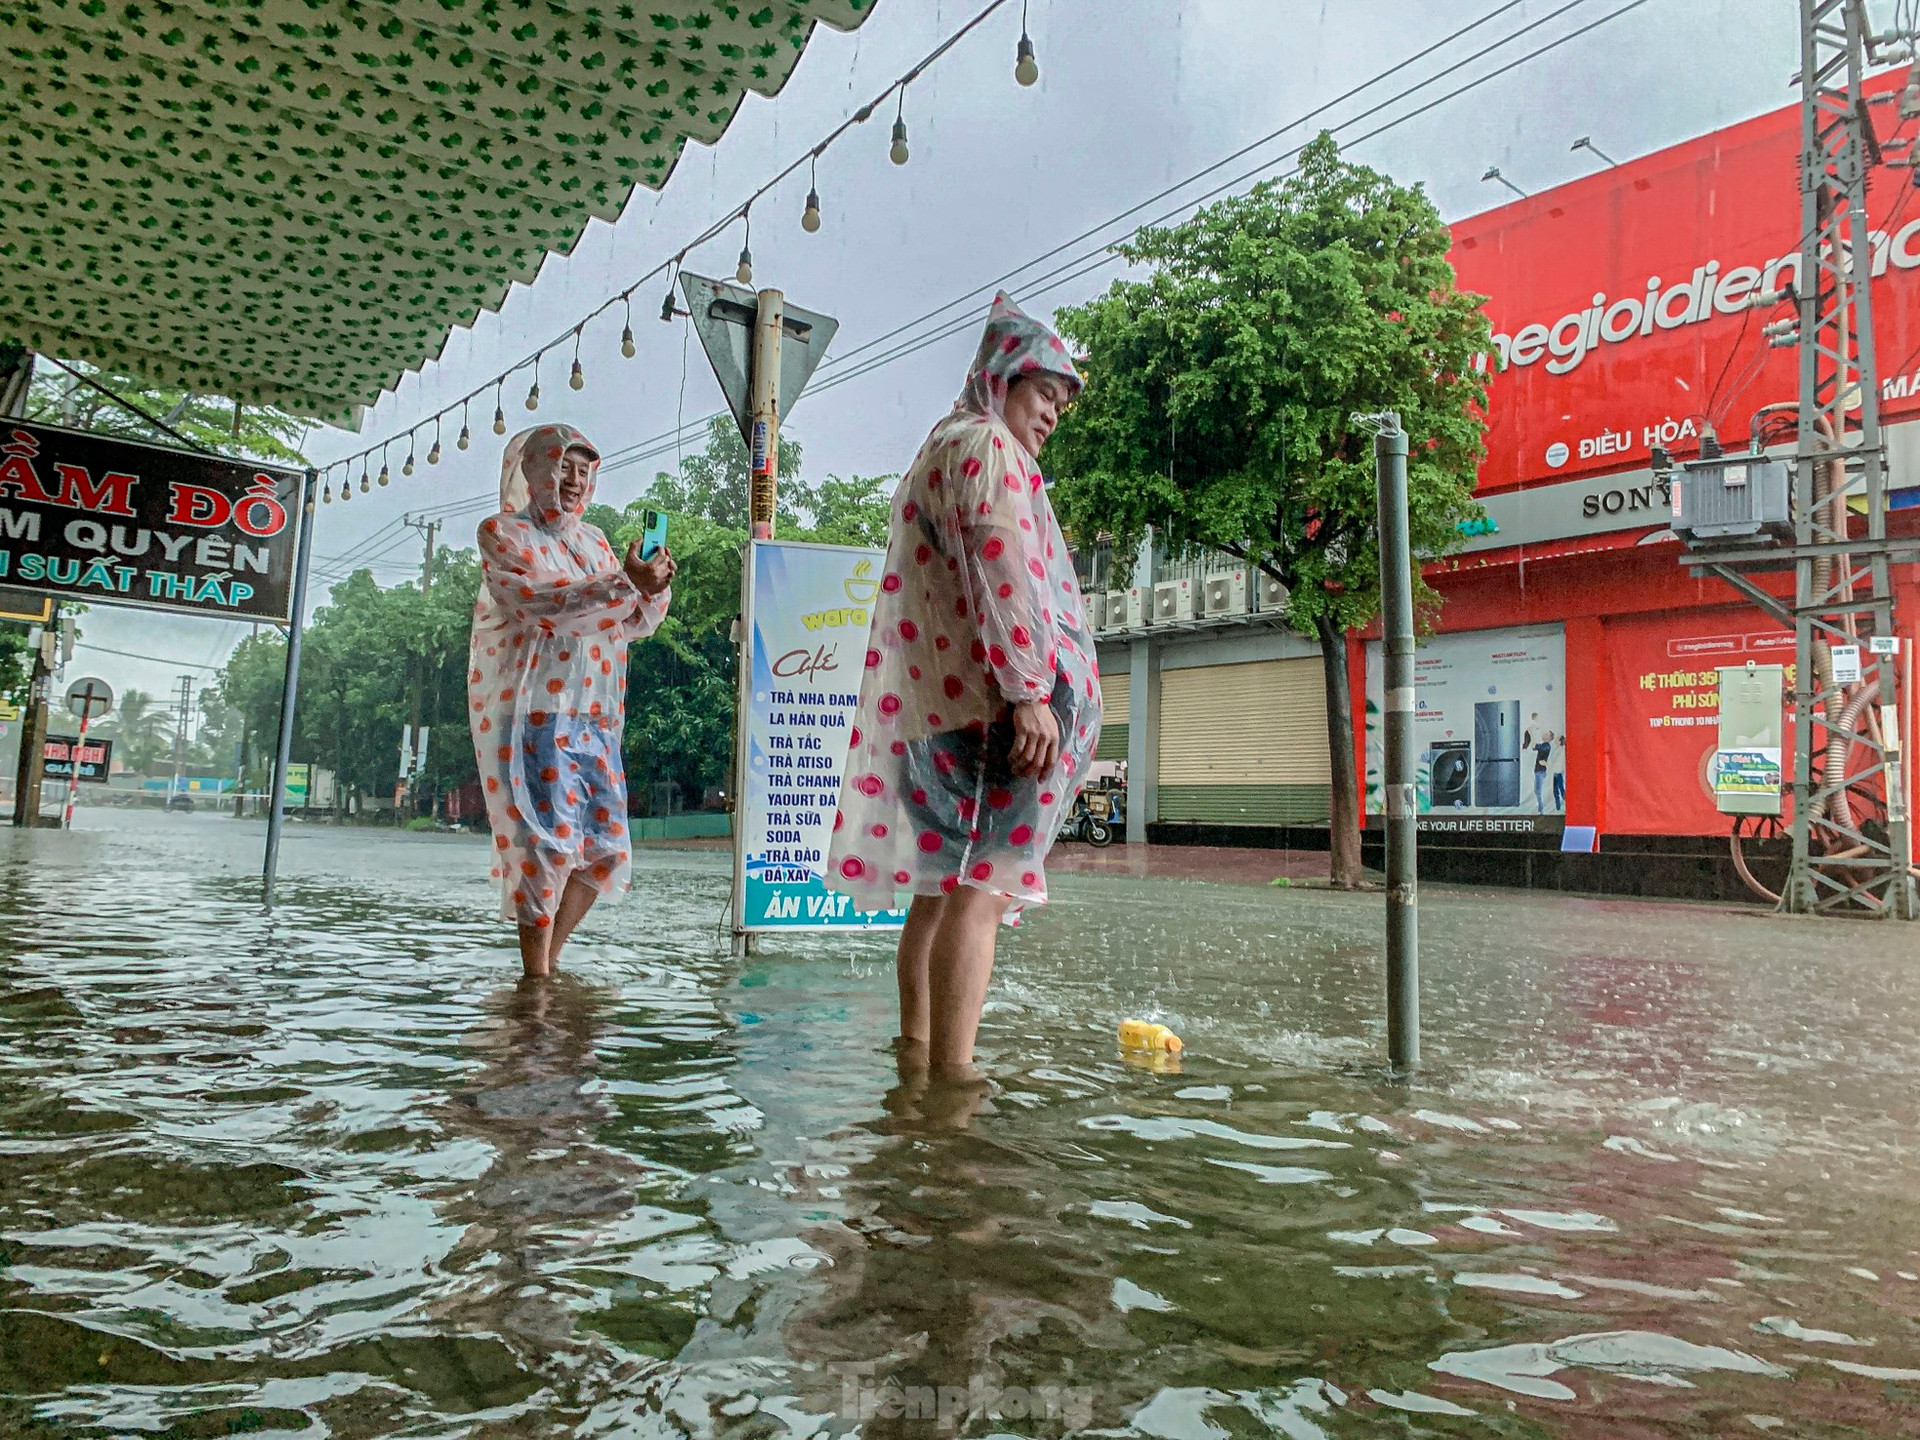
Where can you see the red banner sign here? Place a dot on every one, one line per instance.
(1618, 302)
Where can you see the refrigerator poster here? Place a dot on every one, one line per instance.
(1662, 724)
(810, 610)
(1489, 728)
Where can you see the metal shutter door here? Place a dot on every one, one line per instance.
(1244, 744)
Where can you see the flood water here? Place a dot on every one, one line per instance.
(337, 1174)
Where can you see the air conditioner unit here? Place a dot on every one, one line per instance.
(1139, 607)
(1173, 602)
(1272, 595)
(1226, 594)
(1096, 604)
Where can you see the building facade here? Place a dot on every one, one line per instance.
(1568, 699)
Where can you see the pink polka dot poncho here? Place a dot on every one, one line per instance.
(979, 609)
(547, 683)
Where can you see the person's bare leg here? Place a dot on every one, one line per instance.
(959, 966)
(910, 967)
(534, 951)
(575, 901)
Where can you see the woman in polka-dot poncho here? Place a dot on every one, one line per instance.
(980, 706)
(547, 687)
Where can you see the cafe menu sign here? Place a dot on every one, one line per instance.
(113, 521)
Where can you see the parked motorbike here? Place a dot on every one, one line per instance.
(1078, 820)
(1106, 816)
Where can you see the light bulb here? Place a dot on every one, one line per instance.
(1025, 68)
(433, 455)
(810, 221)
(578, 379)
(346, 490)
(406, 469)
(626, 340)
(533, 396)
(743, 272)
(898, 154)
(466, 437)
(384, 477)
(499, 421)
(326, 493)
(366, 483)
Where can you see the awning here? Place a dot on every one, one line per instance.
(291, 202)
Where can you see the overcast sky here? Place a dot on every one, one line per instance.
(1134, 96)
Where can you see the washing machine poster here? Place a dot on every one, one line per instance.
(1489, 727)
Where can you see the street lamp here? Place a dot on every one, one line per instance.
(1585, 142)
(1493, 173)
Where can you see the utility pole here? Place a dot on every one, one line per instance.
(764, 444)
(183, 722)
(412, 744)
(1851, 837)
(33, 729)
(1402, 811)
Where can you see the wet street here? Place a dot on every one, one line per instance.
(337, 1174)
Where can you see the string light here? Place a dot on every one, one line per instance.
(383, 466)
(366, 481)
(810, 220)
(1025, 68)
(1026, 71)
(898, 154)
(346, 488)
(326, 490)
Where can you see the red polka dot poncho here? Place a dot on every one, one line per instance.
(547, 683)
(979, 609)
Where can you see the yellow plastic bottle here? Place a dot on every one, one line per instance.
(1146, 1035)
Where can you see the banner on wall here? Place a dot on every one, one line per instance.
(1663, 715)
(809, 609)
(1489, 729)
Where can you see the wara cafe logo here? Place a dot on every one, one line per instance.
(861, 589)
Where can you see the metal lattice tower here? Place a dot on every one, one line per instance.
(1850, 827)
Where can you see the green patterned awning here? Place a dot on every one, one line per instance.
(291, 202)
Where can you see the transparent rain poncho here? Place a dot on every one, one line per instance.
(979, 609)
(547, 683)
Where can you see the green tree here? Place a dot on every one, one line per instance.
(16, 663)
(1223, 391)
(265, 433)
(142, 730)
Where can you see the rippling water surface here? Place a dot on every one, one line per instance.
(337, 1174)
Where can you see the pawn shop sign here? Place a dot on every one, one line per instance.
(89, 699)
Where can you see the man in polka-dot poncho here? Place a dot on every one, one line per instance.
(980, 706)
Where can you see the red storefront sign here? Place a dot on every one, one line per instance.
(1663, 713)
(1617, 301)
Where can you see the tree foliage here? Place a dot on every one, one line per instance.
(1226, 393)
(1222, 389)
(265, 433)
(142, 728)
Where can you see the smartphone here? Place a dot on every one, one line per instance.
(653, 539)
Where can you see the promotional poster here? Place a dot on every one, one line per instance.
(810, 609)
(1489, 729)
(1663, 723)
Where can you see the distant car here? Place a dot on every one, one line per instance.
(182, 803)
